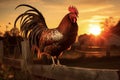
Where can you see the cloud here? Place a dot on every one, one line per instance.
(2, 1)
(94, 19)
(53, 1)
(77, 2)
(7, 3)
(96, 8)
(33, 1)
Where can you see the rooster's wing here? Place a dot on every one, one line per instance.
(50, 37)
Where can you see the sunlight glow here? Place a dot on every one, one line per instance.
(94, 29)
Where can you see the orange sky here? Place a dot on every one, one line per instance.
(90, 11)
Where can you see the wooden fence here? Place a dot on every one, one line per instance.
(50, 72)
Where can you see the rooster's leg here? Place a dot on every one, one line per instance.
(53, 61)
(58, 62)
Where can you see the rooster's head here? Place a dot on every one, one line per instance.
(73, 13)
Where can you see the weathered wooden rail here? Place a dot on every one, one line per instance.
(50, 72)
(73, 73)
(16, 63)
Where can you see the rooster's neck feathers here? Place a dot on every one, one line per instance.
(66, 25)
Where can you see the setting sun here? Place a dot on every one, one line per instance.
(94, 29)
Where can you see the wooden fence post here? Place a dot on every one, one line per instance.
(26, 56)
(1, 51)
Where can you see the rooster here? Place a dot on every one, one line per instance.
(48, 41)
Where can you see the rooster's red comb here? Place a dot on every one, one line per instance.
(73, 9)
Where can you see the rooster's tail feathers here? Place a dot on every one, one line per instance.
(29, 21)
